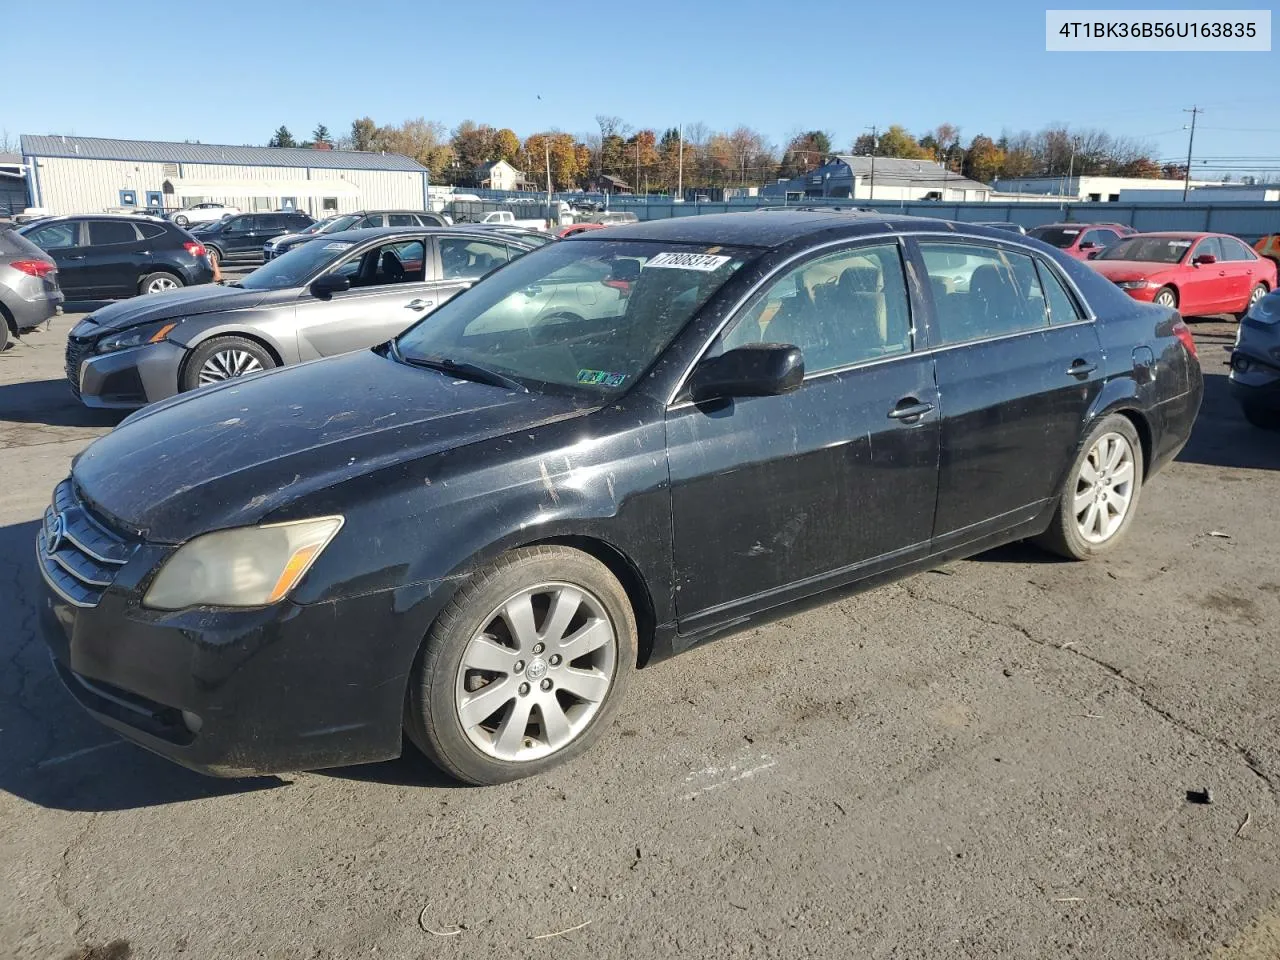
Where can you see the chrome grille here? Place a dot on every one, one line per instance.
(78, 556)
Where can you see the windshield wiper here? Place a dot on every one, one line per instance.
(465, 370)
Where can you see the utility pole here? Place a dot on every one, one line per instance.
(546, 144)
(1186, 180)
(680, 165)
(871, 195)
(1071, 167)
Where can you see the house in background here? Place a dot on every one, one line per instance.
(500, 175)
(607, 184)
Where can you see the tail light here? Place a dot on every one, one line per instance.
(623, 285)
(34, 268)
(1183, 333)
(195, 249)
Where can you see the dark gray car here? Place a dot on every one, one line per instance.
(344, 291)
(29, 293)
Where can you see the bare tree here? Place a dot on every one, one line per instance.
(7, 143)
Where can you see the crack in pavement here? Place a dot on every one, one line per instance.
(62, 896)
(1136, 689)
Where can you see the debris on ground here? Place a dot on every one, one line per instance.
(1204, 796)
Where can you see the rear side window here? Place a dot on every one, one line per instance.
(271, 222)
(56, 236)
(1062, 308)
(1233, 249)
(840, 309)
(150, 231)
(402, 220)
(430, 220)
(106, 232)
(1060, 237)
(981, 292)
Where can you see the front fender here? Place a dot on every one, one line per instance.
(276, 331)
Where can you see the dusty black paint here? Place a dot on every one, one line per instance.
(728, 513)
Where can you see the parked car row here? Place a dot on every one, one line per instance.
(361, 220)
(470, 534)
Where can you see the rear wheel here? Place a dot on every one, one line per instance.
(1100, 495)
(4, 332)
(1167, 297)
(159, 282)
(181, 220)
(224, 358)
(215, 256)
(524, 668)
(1257, 293)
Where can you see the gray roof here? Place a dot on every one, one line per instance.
(11, 159)
(897, 169)
(151, 151)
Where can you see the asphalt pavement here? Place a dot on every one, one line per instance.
(996, 759)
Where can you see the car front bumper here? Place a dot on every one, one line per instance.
(128, 379)
(1254, 383)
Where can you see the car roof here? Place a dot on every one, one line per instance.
(741, 229)
(1179, 234)
(368, 233)
(127, 217)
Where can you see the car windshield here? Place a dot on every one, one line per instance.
(320, 226)
(338, 224)
(1060, 237)
(585, 317)
(1149, 249)
(294, 268)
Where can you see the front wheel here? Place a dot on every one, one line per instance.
(181, 221)
(524, 668)
(224, 358)
(1100, 495)
(1167, 297)
(1257, 293)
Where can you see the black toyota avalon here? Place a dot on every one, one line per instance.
(476, 532)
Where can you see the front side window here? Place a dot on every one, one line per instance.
(842, 308)
(1209, 246)
(55, 236)
(464, 259)
(588, 317)
(982, 292)
(105, 232)
(401, 262)
(370, 221)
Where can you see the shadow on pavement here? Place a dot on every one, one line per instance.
(410, 769)
(52, 753)
(50, 402)
(1221, 436)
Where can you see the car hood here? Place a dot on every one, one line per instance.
(290, 238)
(230, 455)
(1131, 269)
(185, 302)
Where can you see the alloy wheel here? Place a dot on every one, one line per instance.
(1165, 298)
(1258, 293)
(537, 671)
(226, 364)
(1104, 488)
(161, 284)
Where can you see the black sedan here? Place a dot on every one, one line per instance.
(475, 532)
(108, 257)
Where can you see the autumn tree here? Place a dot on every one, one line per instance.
(474, 145)
(419, 139)
(804, 152)
(897, 142)
(1143, 167)
(983, 160)
(362, 133)
(642, 158)
(506, 145)
(564, 156)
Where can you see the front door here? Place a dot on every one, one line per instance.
(63, 241)
(240, 236)
(777, 498)
(1018, 366)
(389, 291)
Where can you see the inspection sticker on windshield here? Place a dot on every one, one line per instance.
(338, 244)
(602, 377)
(689, 261)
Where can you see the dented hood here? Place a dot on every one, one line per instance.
(230, 455)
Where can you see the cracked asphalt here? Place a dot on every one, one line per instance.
(988, 760)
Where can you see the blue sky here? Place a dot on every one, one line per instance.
(232, 71)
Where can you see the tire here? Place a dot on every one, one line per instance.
(214, 254)
(4, 332)
(487, 747)
(160, 282)
(1257, 293)
(1166, 297)
(182, 221)
(223, 358)
(1261, 417)
(1075, 532)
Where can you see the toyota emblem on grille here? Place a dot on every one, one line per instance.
(54, 532)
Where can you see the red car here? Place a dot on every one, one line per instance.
(1199, 273)
(1081, 240)
(577, 228)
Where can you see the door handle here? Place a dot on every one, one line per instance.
(909, 408)
(1081, 368)
(420, 304)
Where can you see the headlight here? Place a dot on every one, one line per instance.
(1133, 284)
(1266, 310)
(136, 337)
(246, 567)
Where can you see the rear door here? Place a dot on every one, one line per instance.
(390, 290)
(1240, 264)
(1016, 384)
(62, 241)
(113, 259)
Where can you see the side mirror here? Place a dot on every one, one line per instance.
(1088, 245)
(1205, 259)
(331, 283)
(754, 370)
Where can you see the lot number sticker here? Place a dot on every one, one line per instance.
(705, 262)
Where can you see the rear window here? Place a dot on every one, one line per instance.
(1060, 237)
(150, 231)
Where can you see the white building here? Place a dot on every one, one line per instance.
(500, 175)
(90, 175)
(879, 178)
(1089, 189)
(1228, 193)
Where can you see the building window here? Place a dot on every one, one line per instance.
(262, 204)
(128, 198)
(155, 199)
(1113, 198)
(330, 204)
(1095, 198)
